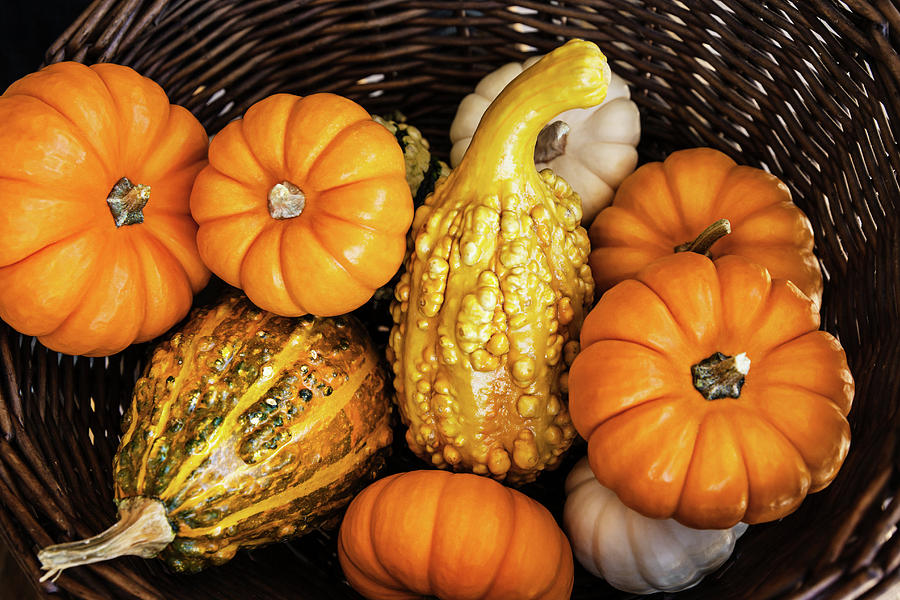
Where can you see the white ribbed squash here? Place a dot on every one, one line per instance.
(632, 552)
(599, 150)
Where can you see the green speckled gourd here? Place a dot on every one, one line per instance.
(423, 171)
(489, 309)
(246, 428)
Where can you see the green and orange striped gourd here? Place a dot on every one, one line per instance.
(246, 428)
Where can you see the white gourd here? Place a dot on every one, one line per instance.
(632, 552)
(599, 149)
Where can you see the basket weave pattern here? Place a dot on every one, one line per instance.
(806, 89)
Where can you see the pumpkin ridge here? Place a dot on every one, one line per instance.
(243, 264)
(325, 213)
(379, 497)
(773, 424)
(437, 511)
(79, 134)
(66, 238)
(687, 473)
(505, 555)
(289, 290)
(339, 259)
(243, 140)
(88, 283)
(744, 450)
(684, 340)
(119, 112)
(150, 233)
(339, 138)
(139, 276)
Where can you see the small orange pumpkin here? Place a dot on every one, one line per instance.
(708, 395)
(97, 245)
(455, 536)
(304, 205)
(665, 205)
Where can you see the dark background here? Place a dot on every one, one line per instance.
(27, 28)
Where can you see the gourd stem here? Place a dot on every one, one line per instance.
(142, 530)
(575, 75)
(707, 238)
(286, 200)
(720, 376)
(126, 202)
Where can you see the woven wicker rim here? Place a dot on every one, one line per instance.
(807, 90)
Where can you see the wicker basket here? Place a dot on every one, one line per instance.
(808, 93)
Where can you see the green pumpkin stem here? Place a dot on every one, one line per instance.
(126, 202)
(707, 238)
(142, 530)
(720, 376)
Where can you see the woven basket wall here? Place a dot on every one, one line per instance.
(807, 89)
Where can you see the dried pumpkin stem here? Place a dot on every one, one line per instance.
(551, 142)
(142, 530)
(126, 201)
(707, 238)
(286, 200)
(721, 376)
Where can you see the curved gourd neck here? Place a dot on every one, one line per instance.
(575, 75)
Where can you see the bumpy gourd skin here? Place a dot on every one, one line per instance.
(488, 312)
(252, 428)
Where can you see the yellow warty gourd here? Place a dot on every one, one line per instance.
(488, 312)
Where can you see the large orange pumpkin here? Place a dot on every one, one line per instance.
(456, 536)
(664, 205)
(97, 245)
(304, 205)
(707, 393)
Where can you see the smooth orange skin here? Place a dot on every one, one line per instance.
(663, 448)
(67, 274)
(350, 238)
(456, 536)
(664, 204)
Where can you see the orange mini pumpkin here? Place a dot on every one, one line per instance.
(97, 245)
(665, 205)
(455, 536)
(708, 395)
(304, 205)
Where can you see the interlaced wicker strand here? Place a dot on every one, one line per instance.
(806, 89)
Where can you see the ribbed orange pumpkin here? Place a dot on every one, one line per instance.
(97, 245)
(456, 536)
(708, 395)
(304, 205)
(663, 205)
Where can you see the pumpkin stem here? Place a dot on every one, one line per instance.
(286, 200)
(126, 202)
(142, 530)
(707, 238)
(721, 376)
(551, 142)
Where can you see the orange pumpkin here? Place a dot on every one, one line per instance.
(97, 245)
(455, 536)
(708, 395)
(304, 205)
(664, 205)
